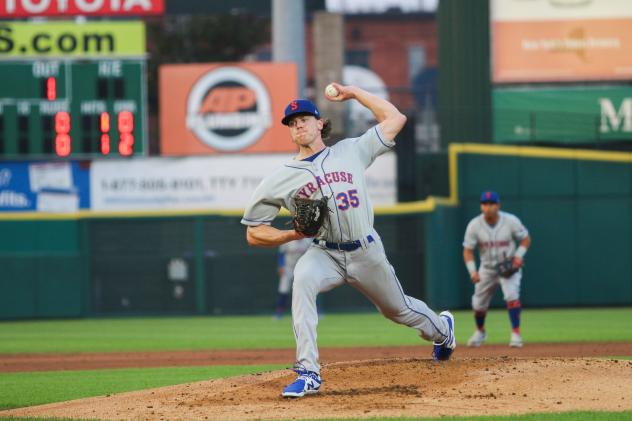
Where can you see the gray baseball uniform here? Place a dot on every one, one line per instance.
(494, 245)
(337, 172)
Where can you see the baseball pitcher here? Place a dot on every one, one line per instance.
(325, 189)
(495, 233)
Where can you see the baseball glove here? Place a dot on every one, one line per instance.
(309, 215)
(506, 268)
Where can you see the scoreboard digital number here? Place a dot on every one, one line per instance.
(72, 108)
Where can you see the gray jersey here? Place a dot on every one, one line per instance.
(497, 242)
(336, 173)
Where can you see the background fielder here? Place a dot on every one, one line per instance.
(288, 256)
(347, 249)
(495, 233)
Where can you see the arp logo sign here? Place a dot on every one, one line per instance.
(225, 108)
(228, 109)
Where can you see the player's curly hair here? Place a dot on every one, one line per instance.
(326, 130)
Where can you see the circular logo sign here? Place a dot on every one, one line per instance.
(228, 109)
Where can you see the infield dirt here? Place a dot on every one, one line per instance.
(388, 386)
(92, 361)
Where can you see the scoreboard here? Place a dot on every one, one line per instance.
(72, 89)
(72, 107)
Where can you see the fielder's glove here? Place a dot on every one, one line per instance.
(506, 268)
(309, 215)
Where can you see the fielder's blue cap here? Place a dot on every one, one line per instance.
(300, 106)
(490, 197)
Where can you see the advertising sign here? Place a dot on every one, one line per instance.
(46, 187)
(561, 40)
(562, 50)
(20, 40)
(210, 182)
(569, 114)
(216, 108)
(540, 10)
(33, 8)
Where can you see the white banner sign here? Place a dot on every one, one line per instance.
(205, 183)
(540, 10)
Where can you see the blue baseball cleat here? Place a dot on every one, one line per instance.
(307, 383)
(442, 351)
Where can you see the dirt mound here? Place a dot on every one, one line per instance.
(393, 387)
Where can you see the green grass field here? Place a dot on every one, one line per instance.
(342, 330)
(26, 389)
(196, 333)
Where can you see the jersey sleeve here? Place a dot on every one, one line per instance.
(469, 241)
(371, 145)
(518, 230)
(263, 206)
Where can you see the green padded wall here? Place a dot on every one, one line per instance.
(129, 258)
(579, 214)
(129, 261)
(445, 286)
(42, 269)
(578, 211)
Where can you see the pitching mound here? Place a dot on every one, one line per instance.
(394, 387)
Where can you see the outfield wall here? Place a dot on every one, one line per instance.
(197, 264)
(42, 269)
(576, 204)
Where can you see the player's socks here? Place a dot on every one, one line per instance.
(479, 317)
(514, 308)
(281, 304)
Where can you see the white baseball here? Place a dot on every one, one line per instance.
(331, 91)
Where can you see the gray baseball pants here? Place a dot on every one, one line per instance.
(366, 269)
(484, 290)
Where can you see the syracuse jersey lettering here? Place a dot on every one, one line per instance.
(329, 178)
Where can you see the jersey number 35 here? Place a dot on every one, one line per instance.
(346, 199)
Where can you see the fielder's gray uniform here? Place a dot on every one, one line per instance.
(337, 172)
(494, 245)
(291, 251)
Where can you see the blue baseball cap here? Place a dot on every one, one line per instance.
(490, 197)
(300, 106)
